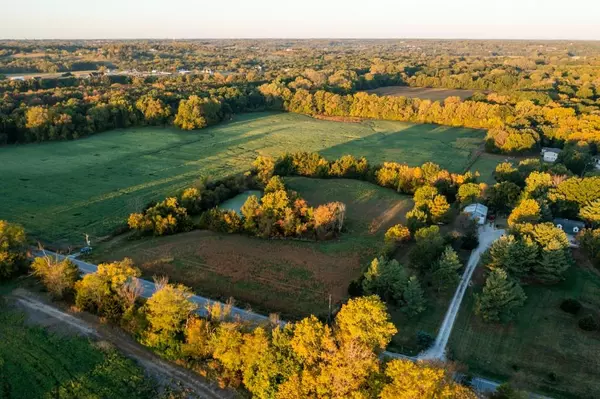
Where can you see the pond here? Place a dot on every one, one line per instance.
(235, 203)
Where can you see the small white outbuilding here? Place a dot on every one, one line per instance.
(477, 211)
(550, 154)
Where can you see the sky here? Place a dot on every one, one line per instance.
(126, 19)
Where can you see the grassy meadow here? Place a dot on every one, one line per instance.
(543, 349)
(35, 363)
(61, 190)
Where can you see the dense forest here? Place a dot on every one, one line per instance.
(526, 94)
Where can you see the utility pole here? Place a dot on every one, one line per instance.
(329, 317)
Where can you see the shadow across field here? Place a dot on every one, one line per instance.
(450, 147)
(89, 186)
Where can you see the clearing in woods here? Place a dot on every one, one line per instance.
(427, 93)
(66, 189)
(294, 278)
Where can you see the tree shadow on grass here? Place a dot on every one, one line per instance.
(447, 146)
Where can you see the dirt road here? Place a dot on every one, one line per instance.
(487, 235)
(165, 373)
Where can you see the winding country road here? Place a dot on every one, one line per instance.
(487, 235)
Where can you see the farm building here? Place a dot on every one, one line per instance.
(596, 161)
(477, 211)
(21, 78)
(550, 154)
(570, 227)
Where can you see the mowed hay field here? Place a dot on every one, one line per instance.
(294, 278)
(427, 93)
(35, 363)
(61, 190)
(543, 349)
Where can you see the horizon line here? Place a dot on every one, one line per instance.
(302, 38)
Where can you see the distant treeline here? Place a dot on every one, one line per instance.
(512, 128)
(516, 122)
(64, 114)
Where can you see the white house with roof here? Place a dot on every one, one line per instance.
(550, 154)
(596, 161)
(477, 211)
(570, 227)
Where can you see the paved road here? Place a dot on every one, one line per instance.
(149, 288)
(485, 239)
(487, 235)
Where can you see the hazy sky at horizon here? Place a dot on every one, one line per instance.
(480, 19)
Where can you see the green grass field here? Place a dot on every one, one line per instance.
(543, 348)
(61, 190)
(37, 364)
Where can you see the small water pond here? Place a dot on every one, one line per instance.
(235, 203)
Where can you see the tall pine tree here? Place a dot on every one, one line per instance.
(499, 298)
(414, 302)
(446, 276)
(553, 263)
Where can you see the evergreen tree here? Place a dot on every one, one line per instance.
(553, 264)
(522, 257)
(414, 302)
(386, 278)
(445, 276)
(428, 247)
(516, 256)
(499, 298)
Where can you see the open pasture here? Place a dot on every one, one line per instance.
(61, 190)
(426, 93)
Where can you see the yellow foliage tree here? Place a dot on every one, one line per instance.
(412, 380)
(365, 320)
(528, 211)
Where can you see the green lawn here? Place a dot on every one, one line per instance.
(37, 364)
(61, 190)
(542, 340)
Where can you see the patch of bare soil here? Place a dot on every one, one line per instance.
(282, 265)
(56, 318)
